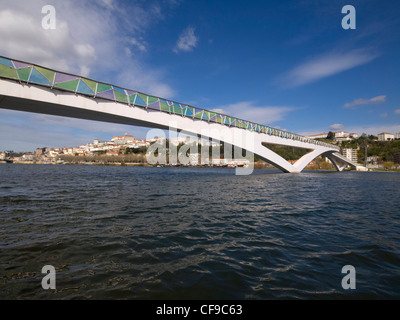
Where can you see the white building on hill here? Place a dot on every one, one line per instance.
(385, 136)
(350, 154)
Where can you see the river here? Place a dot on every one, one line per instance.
(195, 233)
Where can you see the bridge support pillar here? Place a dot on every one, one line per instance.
(337, 162)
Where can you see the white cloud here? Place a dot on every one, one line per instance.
(24, 38)
(384, 115)
(397, 111)
(358, 102)
(336, 126)
(325, 66)
(109, 4)
(88, 39)
(247, 110)
(140, 44)
(187, 40)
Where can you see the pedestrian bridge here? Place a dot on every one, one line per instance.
(32, 88)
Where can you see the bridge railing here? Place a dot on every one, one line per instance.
(33, 74)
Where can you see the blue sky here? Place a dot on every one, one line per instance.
(287, 64)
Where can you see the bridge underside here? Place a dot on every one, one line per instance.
(20, 104)
(28, 98)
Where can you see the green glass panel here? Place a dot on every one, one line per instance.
(48, 74)
(177, 109)
(24, 73)
(8, 72)
(219, 119)
(103, 87)
(90, 83)
(199, 115)
(69, 85)
(164, 107)
(152, 100)
(119, 96)
(132, 98)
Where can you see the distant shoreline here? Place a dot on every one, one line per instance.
(118, 164)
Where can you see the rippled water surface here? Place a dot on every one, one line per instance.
(182, 233)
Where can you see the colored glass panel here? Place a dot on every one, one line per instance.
(189, 112)
(83, 88)
(37, 77)
(48, 74)
(132, 99)
(199, 114)
(120, 90)
(90, 83)
(164, 107)
(176, 109)
(154, 105)
(143, 98)
(130, 92)
(24, 73)
(103, 87)
(6, 62)
(21, 65)
(8, 72)
(106, 95)
(121, 97)
(152, 99)
(62, 77)
(69, 85)
(139, 101)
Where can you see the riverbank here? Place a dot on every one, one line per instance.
(256, 166)
(130, 164)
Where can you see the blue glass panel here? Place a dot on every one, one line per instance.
(37, 77)
(83, 88)
(6, 62)
(120, 90)
(189, 112)
(139, 101)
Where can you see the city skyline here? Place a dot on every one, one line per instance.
(288, 65)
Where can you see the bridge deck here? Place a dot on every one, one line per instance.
(29, 73)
